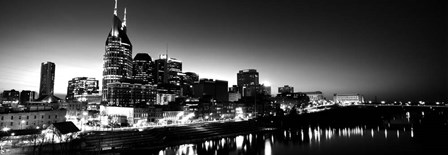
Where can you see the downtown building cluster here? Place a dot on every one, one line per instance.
(140, 90)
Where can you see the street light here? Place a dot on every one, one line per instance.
(6, 129)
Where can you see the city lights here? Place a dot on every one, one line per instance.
(130, 92)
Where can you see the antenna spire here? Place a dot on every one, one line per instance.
(124, 19)
(115, 9)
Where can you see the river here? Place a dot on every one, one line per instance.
(365, 130)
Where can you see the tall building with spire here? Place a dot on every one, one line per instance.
(118, 56)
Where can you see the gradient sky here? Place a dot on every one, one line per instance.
(389, 49)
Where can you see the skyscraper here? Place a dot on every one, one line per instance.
(47, 71)
(143, 68)
(118, 55)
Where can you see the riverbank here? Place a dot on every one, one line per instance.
(150, 139)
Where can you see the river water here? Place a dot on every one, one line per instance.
(400, 131)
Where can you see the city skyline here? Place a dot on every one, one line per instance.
(237, 36)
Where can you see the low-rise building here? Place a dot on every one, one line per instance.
(285, 89)
(32, 119)
(133, 115)
(155, 113)
(348, 98)
(315, 96)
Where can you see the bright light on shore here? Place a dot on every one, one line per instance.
(6, 129)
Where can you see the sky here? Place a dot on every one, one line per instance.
(394, 50)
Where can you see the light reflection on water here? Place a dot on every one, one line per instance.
(307, 139)
(267, 148)
(316, 135)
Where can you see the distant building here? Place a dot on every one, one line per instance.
(191, 77)
(246, 78)
(117, 57)
(285, 89)
(27, 96)
(143, 68)
(160, 70)
(174, 70)
(234, 96)
(287, 101)
(211, 89)
(315, 96)
(82, 88)
(234, 93)
(266, 90)
(234, 89)
(188, 80)
(292, 98)
(10, 98)
(47, 73)
(253, 90)
(164, 97)
(348, 98)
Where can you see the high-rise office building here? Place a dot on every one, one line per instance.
(47, 72)
(143, 68)
(247, 77)
(248, 82)
(211, 89)
(174, 70)
(118, 55)
(188, 79)
(82, 88)
(167, 70)
(160, 70)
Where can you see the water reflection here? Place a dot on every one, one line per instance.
(239, 142)
(267, 148)
(301, 140)
(266, 143)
